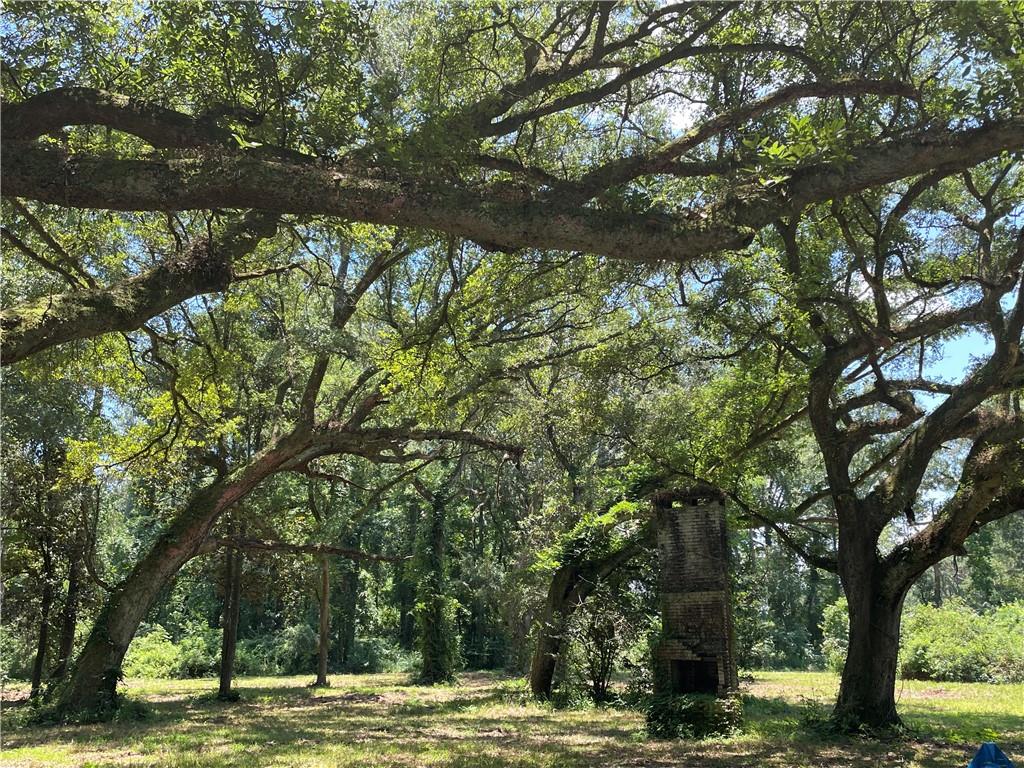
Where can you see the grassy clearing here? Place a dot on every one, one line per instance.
(381, 720)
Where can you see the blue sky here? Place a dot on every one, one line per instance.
(957, 356)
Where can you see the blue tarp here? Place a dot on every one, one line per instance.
(990, 756)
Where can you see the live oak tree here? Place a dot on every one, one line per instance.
(874, 289)
(418, 369)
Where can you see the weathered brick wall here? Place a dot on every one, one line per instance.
(696, 606)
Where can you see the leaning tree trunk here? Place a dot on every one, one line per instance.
(867, 692)
(325, 622)
(229, 641)
(571, 584)
(92, 688)
(558, 609)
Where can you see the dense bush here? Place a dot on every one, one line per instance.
(378, 654)
(16, 653)
(256, 657)
(692, 716)
(951, 642)
(199, 651)
(152, 654)
(291, 651)
(296, 648)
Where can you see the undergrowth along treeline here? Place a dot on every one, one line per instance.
(950, 642)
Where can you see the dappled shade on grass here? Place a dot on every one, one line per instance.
(382, 720)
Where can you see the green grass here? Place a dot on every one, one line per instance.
(382, 720)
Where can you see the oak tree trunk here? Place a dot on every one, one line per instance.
(867, 691)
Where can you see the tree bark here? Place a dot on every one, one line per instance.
(868, 686)
(206, 267)
(325, 623)
(244, 180)
(229, 640)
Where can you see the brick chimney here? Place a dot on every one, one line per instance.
(696, 653)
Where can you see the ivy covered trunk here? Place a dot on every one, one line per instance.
(435, 609)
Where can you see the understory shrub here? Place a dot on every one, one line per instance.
(953, 643)
(379, 654)
(295, 649)
(692, 715)
(950, 643)
(199, 651)
(291, 651)
(16, 653)
(152, 654)
(256, 657)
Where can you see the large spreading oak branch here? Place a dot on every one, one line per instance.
(206, 267)
(212, 178)
(235, 180)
